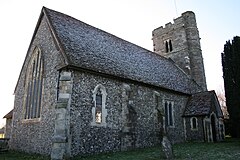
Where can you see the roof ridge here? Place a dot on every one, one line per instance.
(146, 50)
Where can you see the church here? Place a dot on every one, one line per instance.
(82, 90)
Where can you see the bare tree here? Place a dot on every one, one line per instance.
(222, 101)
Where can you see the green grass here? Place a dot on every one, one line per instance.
(13, 155)
(228, 150)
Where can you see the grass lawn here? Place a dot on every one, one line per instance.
(228, 150)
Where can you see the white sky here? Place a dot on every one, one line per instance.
(132, 20)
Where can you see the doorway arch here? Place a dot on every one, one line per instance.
(213, 125)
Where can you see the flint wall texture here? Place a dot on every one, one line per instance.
(35, 135)
(135, 128)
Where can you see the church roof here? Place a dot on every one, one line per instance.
(200, 104)
(86, 47)
(9, 115)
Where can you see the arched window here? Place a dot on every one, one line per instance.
(166, 46)
(33, 86)
(99, 112)
(170, 118)
(170, 45)
(194, 123)
(168, 109)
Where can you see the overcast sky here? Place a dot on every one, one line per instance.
(132, 20)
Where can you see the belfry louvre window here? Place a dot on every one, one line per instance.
(168, 109)
(168, 46)
(33, 86)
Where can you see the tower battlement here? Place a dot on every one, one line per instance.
(177, 22)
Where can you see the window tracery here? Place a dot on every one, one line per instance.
(33, 86)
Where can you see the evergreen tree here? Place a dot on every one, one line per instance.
(231, 75)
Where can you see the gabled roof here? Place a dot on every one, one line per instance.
(200, 104)
(9, 115)
(89, 48)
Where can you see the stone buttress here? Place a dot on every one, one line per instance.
(128, 137)
(61, 139)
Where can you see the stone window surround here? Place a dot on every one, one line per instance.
(104, 110)
(167, 118)
(36, 56)
(168, 45)
(192, 125)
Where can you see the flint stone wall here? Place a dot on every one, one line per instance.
(8, 128)
(36, 135)
(136, 128)
(194, 134)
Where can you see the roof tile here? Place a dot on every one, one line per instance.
(90, 48)
(199, 104)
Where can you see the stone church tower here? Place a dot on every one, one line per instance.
(180, 41)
